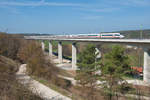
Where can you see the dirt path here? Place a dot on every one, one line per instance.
(43, 91)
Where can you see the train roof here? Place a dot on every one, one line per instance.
(89, 34)
(109, 33)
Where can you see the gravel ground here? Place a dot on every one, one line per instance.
(43, 91)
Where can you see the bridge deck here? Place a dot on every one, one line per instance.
(136, 41)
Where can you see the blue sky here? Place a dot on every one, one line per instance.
(73, 16)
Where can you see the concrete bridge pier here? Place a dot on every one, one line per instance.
(146, 69)
(50, 49)
(74, 56)
(43, 45)
(60, 52)
(98, 53)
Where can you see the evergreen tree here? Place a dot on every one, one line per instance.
(87, 67)
(115, 65)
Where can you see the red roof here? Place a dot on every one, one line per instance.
(139, 69)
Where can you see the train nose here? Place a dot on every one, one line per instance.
(122, 36)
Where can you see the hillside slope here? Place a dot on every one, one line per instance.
(9, 86)
(136, 34)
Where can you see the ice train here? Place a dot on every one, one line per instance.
(101, 35)
(96, 35)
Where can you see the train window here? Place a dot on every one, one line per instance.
(107, 35)
(92, 35)
(117, 35)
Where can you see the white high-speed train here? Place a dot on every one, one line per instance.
(100, 35)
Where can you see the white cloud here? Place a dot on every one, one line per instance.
(41, 3)
(84, 7)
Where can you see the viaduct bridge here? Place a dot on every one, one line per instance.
(143, 43)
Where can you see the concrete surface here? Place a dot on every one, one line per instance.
(146, 68)
(138, 82)
(60, 52)
(127, 41)
(65, 66)
(74, 56)
(43, 45)
(50, 49)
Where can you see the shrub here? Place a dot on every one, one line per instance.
(9, 86)
(67, 50)
(9, 45)
(63, 83)
(39, 65)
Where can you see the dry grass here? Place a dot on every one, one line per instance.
(9, 86)
(38, 65)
